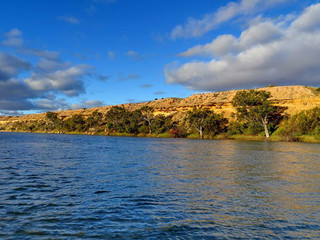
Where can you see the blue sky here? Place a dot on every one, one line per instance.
(72, 54)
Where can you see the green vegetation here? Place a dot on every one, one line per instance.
(256, 118)
(256, 112)
(297, 127)
(206, 121)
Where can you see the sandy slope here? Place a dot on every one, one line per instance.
(296, 98)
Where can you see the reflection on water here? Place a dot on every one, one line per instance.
(70, 187)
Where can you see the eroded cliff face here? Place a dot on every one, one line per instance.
(295, 98)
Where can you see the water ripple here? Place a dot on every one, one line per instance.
(89, 187)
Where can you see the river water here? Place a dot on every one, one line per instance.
(93, 187)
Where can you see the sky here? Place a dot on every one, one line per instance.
(57, 55)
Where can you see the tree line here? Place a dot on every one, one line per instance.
(255, 115)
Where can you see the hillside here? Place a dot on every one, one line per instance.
(295, 98)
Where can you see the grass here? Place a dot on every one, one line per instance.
(274, 137)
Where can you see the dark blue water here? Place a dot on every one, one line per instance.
(89, 187)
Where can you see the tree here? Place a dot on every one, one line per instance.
(147, 116)
(116, 118)
(206, 121)
(215, 124)
(94, 119)
(255, 108)
(162, 124)
(75, 123)
(304, 123)
(134, 122)
(52, 120)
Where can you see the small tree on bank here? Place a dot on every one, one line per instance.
(206, 121)
(52, 120)
(116, 118)
(255, 108)
(147, 116)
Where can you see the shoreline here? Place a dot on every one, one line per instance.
(249, 138)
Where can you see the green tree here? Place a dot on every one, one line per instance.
(255, 108)
(215, 124)
(75, 123)
(206, 121)
(162, 124)
(134, 121)
(95, 119)
(52, 120)
(303, 123)
(117, 118)
(147, 116)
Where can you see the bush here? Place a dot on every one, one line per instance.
(143, 129)
(235, 128)
(303, 123)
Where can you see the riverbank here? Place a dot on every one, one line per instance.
(302, 138)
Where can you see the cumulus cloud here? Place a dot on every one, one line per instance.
(15, 95)
(15, 105)
(13, 38)
(257, 34)
(17, 90)
(268, 52)
(51, 55)
(48, 65)
(69, 19)
(11, 66)
(27, 87)
(198, 27)
(48, 104)
(10, 113)
(67, 81)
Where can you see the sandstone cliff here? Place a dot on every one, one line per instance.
(295, 98)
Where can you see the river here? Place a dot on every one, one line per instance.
(95, 187)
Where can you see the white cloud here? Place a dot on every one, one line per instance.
(268, 52)
(11, 66)
(51, 55)
(14, 38)
(257, 34)
(309, 21)
(48, 65)
(198, 27)
(67, 81)
(51, 104)
(49, 77)
(218, 47)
